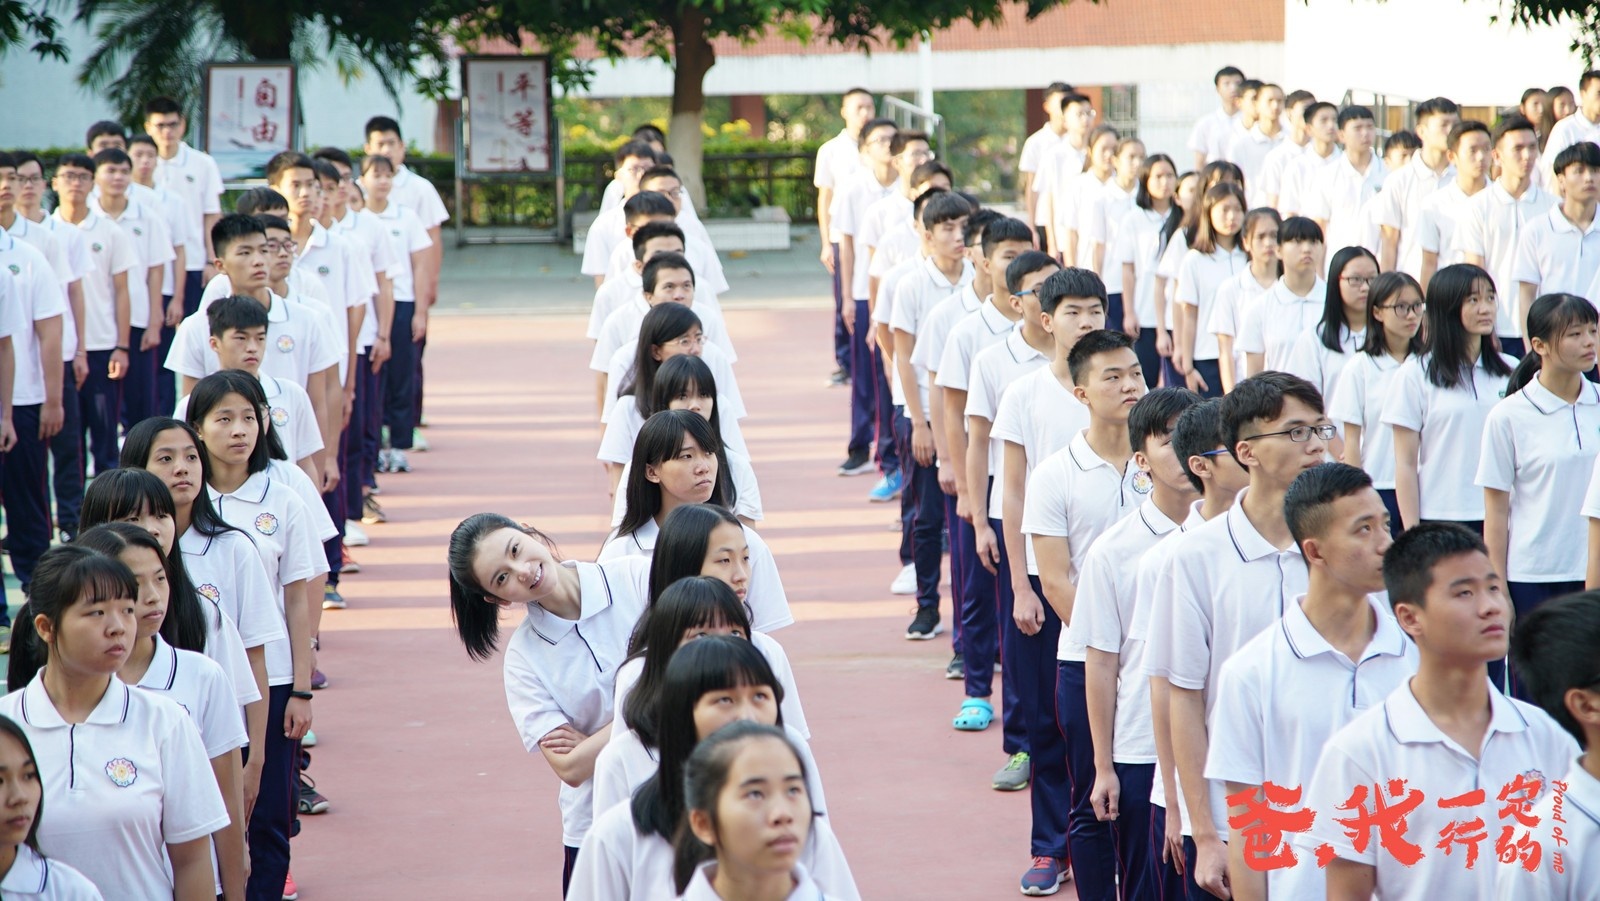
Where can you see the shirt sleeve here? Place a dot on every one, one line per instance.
(48, 299)
(980, 389)
(1305, 358)
(845, 217)
(1096, 616)
(769, 605)
(1237, 749)
(11, 319)
(793, 716)
(1044, 512)
(161, 251)
(903, 316)
(615, 444)
(302, 421)
(123, 256)
(221, 727)
(298, 561)
(1348, 402)
(1336, 776)
(1428, 228)
(1471, 234)
(1497, 459)
(1225, 311)
(1190, 660)
(1250, 339)
(191, 803)
(211, 198)
(822, 175)
(257, 617)
(1526, 266)
(325, 353)
(1187, 290)
(1200, 135)
(1591, 498)
(1405, 405)
(1011, 417)
(187, 356)
(1314, 197)
(953, 361)
(1389, 207)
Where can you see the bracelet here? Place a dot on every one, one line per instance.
(121, 348)
(302, 695)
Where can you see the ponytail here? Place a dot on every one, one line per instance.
(1548, 318)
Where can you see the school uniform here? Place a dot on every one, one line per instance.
(765, 600)
(1339, 195)
(1077, 495)
(299, 343)
(1565, 133)
(1492, 229)
(1311, 360)
(193, 175)
(198, 685)
(701, 888)
(1212, 133)
(1299, 177)
(625, 763)
(1568, 830)
(898, 245)
(1098, 221)
(838, 160)
(1555, 256)
(623, 428)
(1363, 386)
(33, 878)
(35, 296)
(710, 281)
(228, 573)
(1070, 202)
(1035, 150)
(1234, 296)
(1199, 276)
(100, 398)
(730, 402)
(1167, 267)
(152, 244)
(408, 234)
(1398, 737)
(333, 262)
(871, 420)
(560, 671)
(1101, 617)
(1227, 585)
(612, 294)
(1139, 243)
(1283, 695)
(1438, 223)
(1275, 166)
(794, 715)
(622, 327)
(618, 862)
(1400, 206)
(884, 216)
(1249, 150)
(120, 786)
(1271, 325)
(1450, 423)
(293, 420)
(1060, 165)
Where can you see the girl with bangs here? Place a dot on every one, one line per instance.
(1214, 257)
(667, 331)
(1138, 247)
(1259, 236)
(1320, 355)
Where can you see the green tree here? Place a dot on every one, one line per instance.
(23, 22)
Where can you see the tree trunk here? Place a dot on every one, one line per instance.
(693, 57)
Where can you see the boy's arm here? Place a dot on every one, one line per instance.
(954, 453)
(921, 435)
(1027, 609)
(978, 492)
(122, 307)
(1246, 882)
(1100, 693)
(152, 332)
(48, 331)
(1189, 747)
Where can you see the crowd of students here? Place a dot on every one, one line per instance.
(194, 410)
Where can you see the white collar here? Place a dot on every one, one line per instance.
(1305, 641)
(38, 710)
(1410, 724)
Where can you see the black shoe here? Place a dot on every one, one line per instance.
(838, 379)
(956, 668)
(925, 626)
(311, 801)
(858, 463)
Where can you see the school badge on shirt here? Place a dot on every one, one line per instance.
(286, 343)
(1142, 483)
(209, 592)
(280, 417)
(122, 772)
(96, 247)
(322, 270)
(15, 269)
(138, 231)
(267, 524)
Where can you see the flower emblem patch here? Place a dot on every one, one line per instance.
(122, 772)
(285, 344)
(267, 524)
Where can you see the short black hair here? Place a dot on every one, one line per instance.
(141, 138)
(1436, 106)
(862, 91)
(1511, 123)
(381, 124)
(1071, 97)
(1299, 228)
(1301, 96)
(1308, 503)
(1260, 398)
(255, 200)
(1408, 563)
(1154, 414)
(74, 161)
(1583, 153)
(1197, 433)
(334, 155)
(231, 227)
(1250, 84)
(925, 171)
(324, 170)
(944, 207)
(648, 132)
(102, 128)
(652, 230)
(1466, 127)
(873, 125)
(7, 160)
(1585, 78)
(1553, 650)
(1317, 106)
(1352, 114)
(664, 261)
(1057, 87)
(225, 314)
(1027, 263)
(1529, 93)
(978, 225)
(1097, 342)
(646, 204)
(638, 149)
(270, 222)
(286, 160)
(1403, 139)
(1004, 229)
(1224, 72)
(659, 170)
(162, 106)
(111, 156)
(905, 136)
(1070, 282)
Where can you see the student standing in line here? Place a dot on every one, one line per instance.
(145, 829)
(1073, 201)
(194, 176)
(558, 678)
(1249, 149)
(1559, 252)
(1553, 650)
(1339, 632)
(24, 872)
(669, 330)
(1337, 195)
(1100, 219)
(1320, 353)
(1034, 151)
(1441, 399)
(187, 241)
(1176, 236)
(838, 159)
(1322, 148)
(1491, 228)
(1116, 692)
(146, 231)
(1270, 325)
(1580, 126)
(1209, 138)
(1139, 239)
(1394, 326)
(1286, 153)
(1214, 257)
(1537, 444)
(1449, 599)
(1064, 162)
(1399, 210)
(1259, 237)
(1439, 219)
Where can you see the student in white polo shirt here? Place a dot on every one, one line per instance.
(1269, 327)
(233, 441)
(138, 820)
(1138, 245)
(1336, 652)
(1259, 238)
(1321, 150)
(1321, 352)
(1440, 216)
(1062, 163)
(29, 875)
(186, 239)
(192, 175)
(1071, 203)
(1583, 126)
(1559, 252)
(1490, 232)
(1214, 257)
(1116, 692)
(1448, 597)
(1098, 224)
(1338, 195)
(1230, 579)
(663, 183)
(1209, 138)
(558, 676)
(1537, 445)
(187, 677)
(1399, 205)
(1553, 652)
(1249, 149)
(838, 159)
(1286, 154)
(1036, 147)
(146, 230)
(1216, 475)
(1440, 400)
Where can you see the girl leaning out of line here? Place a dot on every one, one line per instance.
(750, 819)
(559, 677)
(710, 683)
(193, 680)
(691, 608)
(683, 382)
(25, 874)
(138, 821)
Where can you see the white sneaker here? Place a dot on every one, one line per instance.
(354, 536)
(906, 582)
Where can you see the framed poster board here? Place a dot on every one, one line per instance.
(249, 115)
(507, 126)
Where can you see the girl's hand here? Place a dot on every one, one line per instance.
(562, 739)
(1130, 324)
(296, 719)
(252, 783)
(1106, 793)
(1196, 382)
(1163, 342)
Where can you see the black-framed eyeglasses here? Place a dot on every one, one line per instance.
(1405, 309)
(1300, 434)
(1213, 453)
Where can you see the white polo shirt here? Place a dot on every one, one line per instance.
(838, 160)
(1275, 166)
(701, 888)
(608, 230)
(969, 325)
(1277, 319)
(1451, 423)
(885, 215)
(299, 342)
(194, 176)
(1311, 360)
(185, 230)
(1439, 223)
(35, 295)
(747, 505)
(1249, 150)
(334, 262)
(622, 327)
(1042, 416)
(276, 520)
(367, 231)
(152, 244)
(1267, 728)
(1073, 202)
(914, 299)
(993, 370)
(560, 671)
(1036, 147)
(765, 598)
(407, 235)
(1564, 134)
(1397, 740)
(1077, 495)
(1578, 820)
(77, 266)
(897, 246)
(1539, 448)
(120, 786)
(227, 570)
(110, 254)
(1101, 617)
(1138, 242)
(728, 396)
(1338, 195)
(1233, 296)
(1300, 177)
(1211, 134)
(1199, 277)
(418, 195)
(625, 763)
(1492, 228)
(1358, 398)
(32, 878)
(1060, 165)
(197, 685)
(933, 332)
(1400, 206)
(612, 293)
(293, 419)
(851, 199)
(1554, 256)
(1098, 222)
(794, 716)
